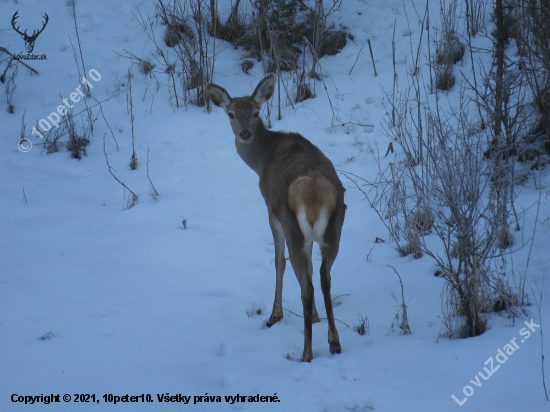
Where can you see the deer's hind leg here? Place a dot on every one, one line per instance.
(309, 251)
(280, 264)
(329, 251)
(298, 248)
(333, 338)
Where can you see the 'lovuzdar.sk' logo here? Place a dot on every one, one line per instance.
(29, 40)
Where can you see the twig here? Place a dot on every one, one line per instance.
(423, 22)
(47, 335)
(478, 104)
(357, 124)
(105, 119)
(300, 316)
(61, 123)
(372, 57)
(85, 85)
(390, 149)
(336, 297)
(312, 49)
(23, 127)
(394, 75)
(24, 196)
(133, 159)
(363, 328)
(288, 95)
(361, 190)
(338, 321)
(18, 61)
(133, 200)
(359, 177)
(294, 313)
(404, 320)
(428, 37)
(372, 248)
(358, 59)
(539, 305)
(132, 56)
(80, 48)
(279, 116)
(303, 106)
(153, 190)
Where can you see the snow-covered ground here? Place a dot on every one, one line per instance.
(133, 303)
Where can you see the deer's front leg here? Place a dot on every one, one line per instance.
(280, 263)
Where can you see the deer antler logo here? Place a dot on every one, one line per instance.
(29, 40)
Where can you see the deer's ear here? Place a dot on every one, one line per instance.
(219, 95)
(264, 89)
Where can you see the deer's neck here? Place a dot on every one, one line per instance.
(255, 152)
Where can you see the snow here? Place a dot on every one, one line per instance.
(135, 304)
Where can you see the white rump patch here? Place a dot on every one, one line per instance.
(321, 224)
(318, 230)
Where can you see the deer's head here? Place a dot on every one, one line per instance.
(29, 40)
(243, 111)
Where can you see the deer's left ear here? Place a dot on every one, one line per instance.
(264, 89)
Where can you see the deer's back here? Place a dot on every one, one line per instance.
(291, 157)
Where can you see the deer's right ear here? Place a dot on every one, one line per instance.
(219, 95)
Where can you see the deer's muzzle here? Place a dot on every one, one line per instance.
(245, 134)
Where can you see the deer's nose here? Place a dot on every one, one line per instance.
(245, 134)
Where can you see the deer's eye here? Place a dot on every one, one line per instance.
(231, 115)
(256, 115)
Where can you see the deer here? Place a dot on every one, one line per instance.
(304, 199)
(29, 40)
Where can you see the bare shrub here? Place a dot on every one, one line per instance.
(303, 91)
(442, 184)
(247, 65)
(476, 15)
(445, 80)
(317, 15)
(8, 78)
(404, 326)
(533, 38)
(10, 73)
(187, 35)
(412, 247)
(79, 138)
(422, 220)
(146, 66)
(130, 107)
(333, 41)
(171, 37)
(363, 327)
(280, 54)
(277, 26)
(449, 49)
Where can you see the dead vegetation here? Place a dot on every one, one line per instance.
(281, 30)
(445, 183)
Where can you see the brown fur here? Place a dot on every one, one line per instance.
(293, 172)
(314, 191)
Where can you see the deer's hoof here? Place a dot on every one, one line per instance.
(335, 348)
(273, 320)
